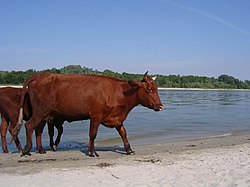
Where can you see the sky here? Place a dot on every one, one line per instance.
(185, 37)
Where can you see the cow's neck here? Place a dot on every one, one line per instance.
(131, 97)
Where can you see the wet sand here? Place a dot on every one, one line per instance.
(221, 161)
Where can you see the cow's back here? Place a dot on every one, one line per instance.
(76, 96)
(9, 102)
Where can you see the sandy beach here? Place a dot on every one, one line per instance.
(221, 161)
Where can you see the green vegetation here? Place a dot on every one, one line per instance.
(169, 81)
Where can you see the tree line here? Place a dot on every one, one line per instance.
(165, 81)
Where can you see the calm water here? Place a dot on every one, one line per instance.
(187, 115)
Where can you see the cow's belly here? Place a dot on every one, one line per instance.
(115, 117)
(112, 122)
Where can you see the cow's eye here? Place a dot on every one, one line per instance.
(149, 90)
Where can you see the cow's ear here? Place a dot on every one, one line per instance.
(145, 77)
(136, 84)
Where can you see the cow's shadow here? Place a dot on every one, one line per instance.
(83, 147)
(116, 149)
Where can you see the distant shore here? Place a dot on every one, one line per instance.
(200, 89)
(160, 88)
(181, 89)
(221, 161)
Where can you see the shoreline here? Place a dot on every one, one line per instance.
(202, 89)
(171, 89)
(208, 160)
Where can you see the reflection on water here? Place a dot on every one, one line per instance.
(187, 115)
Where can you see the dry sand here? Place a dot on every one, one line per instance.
(223, 161)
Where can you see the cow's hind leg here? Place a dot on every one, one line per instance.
(39, 131)
(59, 134)
(122, 131)
(51, 135)
(30, 126)
(94, 125)
(16, 139)
(28, 146)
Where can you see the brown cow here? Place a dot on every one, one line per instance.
(9, 106)
(103, 100)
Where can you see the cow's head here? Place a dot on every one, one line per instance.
(148, 93)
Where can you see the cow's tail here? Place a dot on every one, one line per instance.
(25, 90)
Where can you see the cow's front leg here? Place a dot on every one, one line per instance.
(3, 130)
(94, 125)
(122, 131)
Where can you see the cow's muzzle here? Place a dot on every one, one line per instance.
(158, 107)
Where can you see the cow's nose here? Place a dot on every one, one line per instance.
(161, 107)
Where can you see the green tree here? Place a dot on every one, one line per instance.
(71, 69)
(190, 81)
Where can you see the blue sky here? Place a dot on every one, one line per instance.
(186, 37)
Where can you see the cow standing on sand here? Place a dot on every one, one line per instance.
(9, 107)
(103, 100)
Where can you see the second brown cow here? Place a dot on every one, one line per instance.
(103, 100)
(9, 106)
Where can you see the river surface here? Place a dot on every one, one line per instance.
(188, 114)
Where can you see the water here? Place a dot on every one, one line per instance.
(187, 115)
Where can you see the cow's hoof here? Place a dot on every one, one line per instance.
(5, 151)
(41, 151)
(93, 154)
(54, 148)
(130, 152)
(25, 153)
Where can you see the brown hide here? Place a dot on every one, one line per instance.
(9, 107)
(103, 100)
